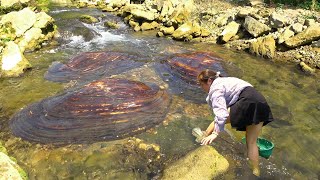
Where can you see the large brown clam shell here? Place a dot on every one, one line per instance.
(103, 110)
(187, 66)
(93, 65)
(181, 71)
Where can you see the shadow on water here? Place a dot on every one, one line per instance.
(293, 97)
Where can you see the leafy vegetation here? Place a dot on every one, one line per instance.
(306, 4)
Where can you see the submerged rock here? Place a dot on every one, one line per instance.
(91, 65)
(203, 163)
(103, 110)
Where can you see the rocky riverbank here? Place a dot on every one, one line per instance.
(277, 33)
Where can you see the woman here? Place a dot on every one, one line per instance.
(235, 101)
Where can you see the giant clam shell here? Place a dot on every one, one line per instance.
(107, 109)
(92, 65)
(181, 72)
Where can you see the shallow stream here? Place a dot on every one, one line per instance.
(293, 96)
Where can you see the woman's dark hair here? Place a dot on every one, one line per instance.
(207, 74)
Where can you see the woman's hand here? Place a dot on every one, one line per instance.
(209, 139)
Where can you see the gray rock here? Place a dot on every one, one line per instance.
(309, 22)
(254, 27)
(13, 63)
(203, 163)
(285, 35)
(296, 28)
(305, 37)
(224, 19)
(9, 169)
(9, 3)
(229, 31)
(21, 20)
(277, 21)
(316, 44)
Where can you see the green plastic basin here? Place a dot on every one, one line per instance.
(265, 147)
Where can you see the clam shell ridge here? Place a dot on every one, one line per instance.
(92, 65)
(187, 66)
(103, 110)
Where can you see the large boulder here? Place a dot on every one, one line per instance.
(21, 20)
(9, 169)
(285, 35)
(10, 3)
(187, 30)
(277, 20)
(203, 163)
(224, 19)
(117, 3)
(310, 34)
(30, 40)
(13, 63)
(254, 27)
(140, 12)
(43, 20)
(167, 30)
(229, 31)
(149, 26)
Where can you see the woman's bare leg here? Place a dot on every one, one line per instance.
(252, 133)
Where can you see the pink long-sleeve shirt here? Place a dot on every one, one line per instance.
(224, 92)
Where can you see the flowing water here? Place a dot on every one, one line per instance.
(293, 96)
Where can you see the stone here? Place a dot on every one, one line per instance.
(244, 12)
(203, 163)
(43, 20)
(285, 35)
(277, 21)
(184, 31)
(149, 26)
(205, 32)
(117, 3)
(224, 19)
(147, 15)
(305, 37)
(167, 30)
(9, 3)
(88, 19)
(254, 3)
(316, 44)
(112, 25)
(296, 28)
(9, 169)
(229, 31)
(309, 22)
(31, 39)
(21, 20)
(13, 63)
(254, 27)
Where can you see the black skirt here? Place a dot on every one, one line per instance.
(250, 108)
